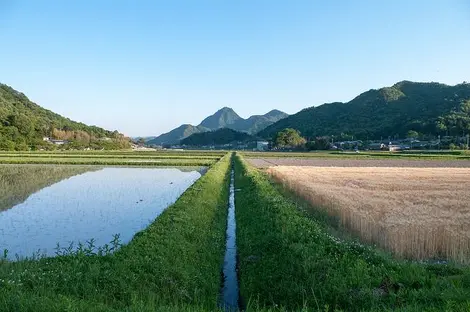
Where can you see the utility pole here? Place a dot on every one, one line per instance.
(468, 139)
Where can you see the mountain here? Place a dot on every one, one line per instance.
(256, 123)
(136, 139)
(427, 108)
(217, 137)
(176, 135)
(223, 118)
(23, 124)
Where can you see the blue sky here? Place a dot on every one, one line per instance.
(145, 67)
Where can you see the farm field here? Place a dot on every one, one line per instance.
(267, 162)
(163, 158)
(287, 258)
(98, 205)
(290, 260)
(17, 182)
(161, 268)
(417, 213)
(420, 155)
(111, 161)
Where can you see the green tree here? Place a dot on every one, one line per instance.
(289, 138)
(320, 143)
(6, 145)
(412, 134)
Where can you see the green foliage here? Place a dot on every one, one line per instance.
(217, 137)
(428, 108)
(289, 261)
(23, 124)
(320, 143)
(289, 138)
(456, 122)
(411, 134)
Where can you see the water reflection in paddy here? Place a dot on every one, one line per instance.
(94, 205)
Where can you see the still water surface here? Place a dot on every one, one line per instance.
(94, 205)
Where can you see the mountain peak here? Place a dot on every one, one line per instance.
(221, 119)
(275, 113)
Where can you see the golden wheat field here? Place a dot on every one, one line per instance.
(418, 213)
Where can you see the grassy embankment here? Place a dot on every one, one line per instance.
(163, 153)
(18, 182)
(118, 158)
(173, 265)
(111, 161)
(290, 261)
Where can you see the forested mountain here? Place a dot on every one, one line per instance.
(428, 108)
(217, 137)
(256, 123)
(23, 124)
(223, 118)
(176, 135)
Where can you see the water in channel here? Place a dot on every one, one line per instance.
(94, 205)
(230, 291)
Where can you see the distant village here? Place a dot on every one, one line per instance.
(446, 142)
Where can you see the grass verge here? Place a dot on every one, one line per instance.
(173, 265)
(288, 261)
(108, 161)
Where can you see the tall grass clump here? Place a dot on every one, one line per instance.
(289, 262)
(173, 265)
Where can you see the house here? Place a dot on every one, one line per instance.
(53, 141)
(377, 146)
(59, 142)
(262, 145)
(394, 148)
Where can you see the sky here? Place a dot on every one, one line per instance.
(145, 67)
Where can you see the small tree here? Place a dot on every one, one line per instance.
(412, 134)
(289, 138)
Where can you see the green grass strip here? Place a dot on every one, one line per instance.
(173, 265)
(109, 161)
(289, 261)
(109, 156)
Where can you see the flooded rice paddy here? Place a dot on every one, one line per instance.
(93, 205)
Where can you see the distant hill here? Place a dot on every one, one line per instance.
(389, 111)
(217, 137)
(176, 135)
(223, 118)
(23, 124)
